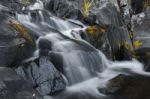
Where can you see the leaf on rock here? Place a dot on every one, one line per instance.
(23, 32)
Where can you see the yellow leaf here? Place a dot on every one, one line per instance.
(137, 44)
(103, 30)
(87, 6)
(92, 30)
(126, 44)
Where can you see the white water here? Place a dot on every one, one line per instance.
(37, 5)
(86, 71)
(89, 88)
(84, 84)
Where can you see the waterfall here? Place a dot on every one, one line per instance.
(89, 89)
(85, 67)
(80, 61)
(37, 5)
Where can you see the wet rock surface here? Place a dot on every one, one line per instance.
(16, 4)
(43, 75)
(141, 28)
(109, 15)
(143, 55)
(65, 8)
(91, 64)
(120, 43)
(142, 36)
(13, 86)
(61, 57)
(128, 87)
(111, 35)
(13, 46)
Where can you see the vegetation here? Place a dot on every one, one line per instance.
(87, 6)
(137, 44)
(23, 32)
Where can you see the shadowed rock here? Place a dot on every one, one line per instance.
(128, 87)
(13, 87)
(13, 46)
(43, 75)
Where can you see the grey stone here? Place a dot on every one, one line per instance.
(13, 86)
(43, 75)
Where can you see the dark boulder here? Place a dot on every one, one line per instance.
(16, 4)
(43, 75)
(109, 15)
(65, 8)
(57, 60)
(120, 43)
(141, 30)
(45, 46)
(128, 87)
(137, 6)
(143, 55)
(110, 34)
(16, 42)
(13, 87)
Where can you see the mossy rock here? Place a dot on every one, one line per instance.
(16, 43)
(129, 87)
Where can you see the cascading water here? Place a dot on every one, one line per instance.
(85, 67)
(80, 61)
(37, 5)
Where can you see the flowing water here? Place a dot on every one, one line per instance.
(85, 67)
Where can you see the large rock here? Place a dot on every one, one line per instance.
(128, 87)
(141, 30)
(111, 34)
(139, 6)
(143, 55)
(109, 15)
(120, 43)
(14, 87)
(16, 42)
(43, 75)
(72, 64)
(65, 8)
(12, 4)
(16, 4)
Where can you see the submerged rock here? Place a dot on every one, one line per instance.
(43, 75)
(14, 87)
(78, 66)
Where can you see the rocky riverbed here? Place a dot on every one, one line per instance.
(74, 49)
